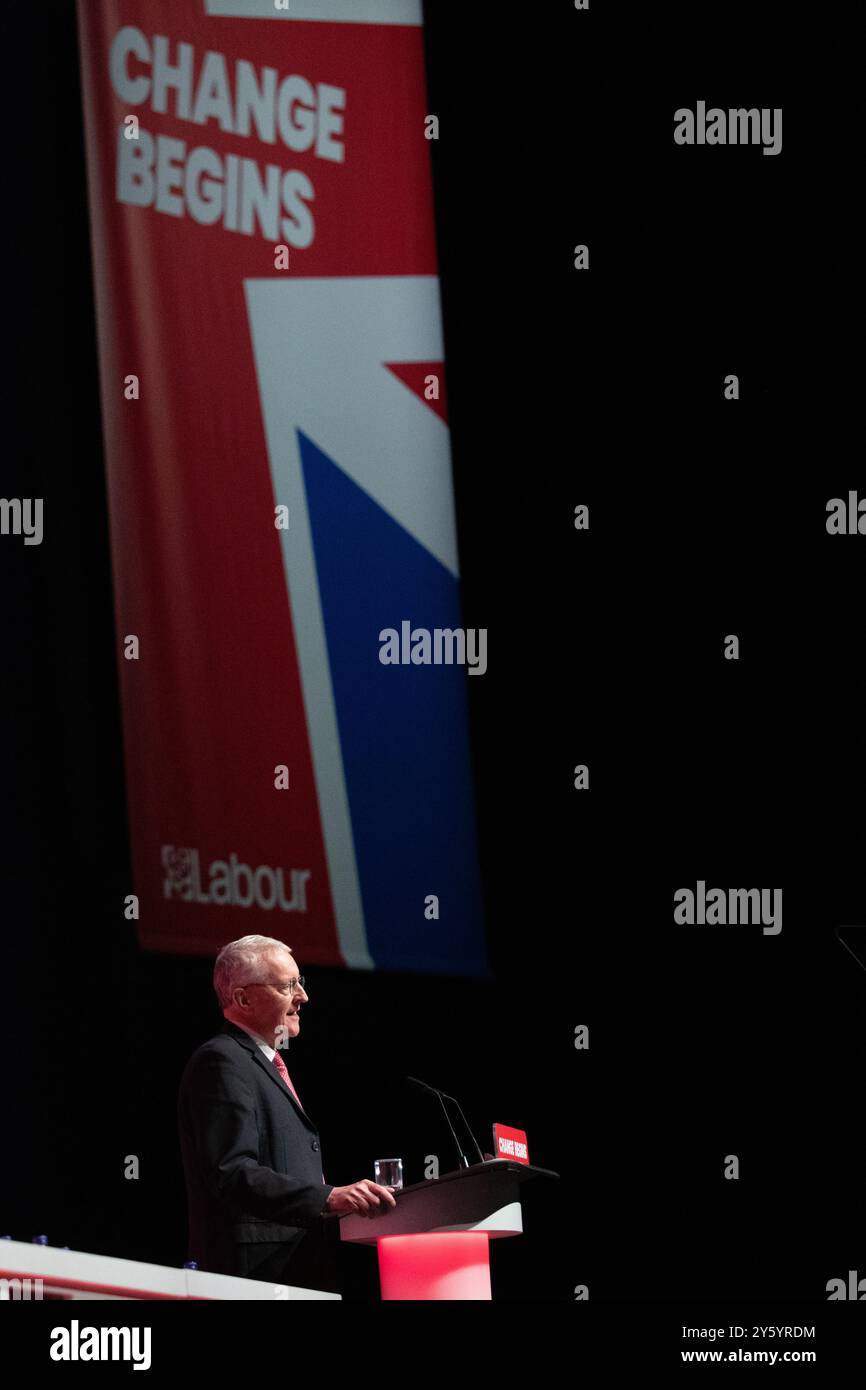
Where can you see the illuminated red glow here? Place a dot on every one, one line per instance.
(443, 1265)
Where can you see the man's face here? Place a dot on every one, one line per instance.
(271, 1008)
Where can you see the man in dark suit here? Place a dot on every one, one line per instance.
(257, 1198)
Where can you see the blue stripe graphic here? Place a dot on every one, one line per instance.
(403, 730)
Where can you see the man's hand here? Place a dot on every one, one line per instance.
(366, 1198)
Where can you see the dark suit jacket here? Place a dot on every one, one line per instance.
(253, 1167)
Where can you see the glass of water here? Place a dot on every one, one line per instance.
(389, 1172)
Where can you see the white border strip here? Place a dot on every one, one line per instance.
(406, 12)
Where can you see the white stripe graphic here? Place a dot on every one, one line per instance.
(318, 347)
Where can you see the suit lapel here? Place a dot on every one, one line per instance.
(272, 1072)
(241, 1036)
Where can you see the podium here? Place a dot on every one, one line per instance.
(435, 1243)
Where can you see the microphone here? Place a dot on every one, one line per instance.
(442, 1097)
(462, 1163)
(468, 1130)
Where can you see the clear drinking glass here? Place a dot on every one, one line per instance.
(389, 1172)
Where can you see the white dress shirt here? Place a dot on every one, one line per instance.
(269, 1051)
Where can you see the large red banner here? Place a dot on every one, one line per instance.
(279, 477)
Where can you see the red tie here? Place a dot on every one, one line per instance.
(283, 1070)
(284, 1073)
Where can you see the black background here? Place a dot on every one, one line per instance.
(707, 517)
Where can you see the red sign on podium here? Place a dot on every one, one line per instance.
(510, 1143)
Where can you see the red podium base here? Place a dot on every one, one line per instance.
(447, 1265)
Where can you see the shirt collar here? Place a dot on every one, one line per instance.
(269, 1051)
